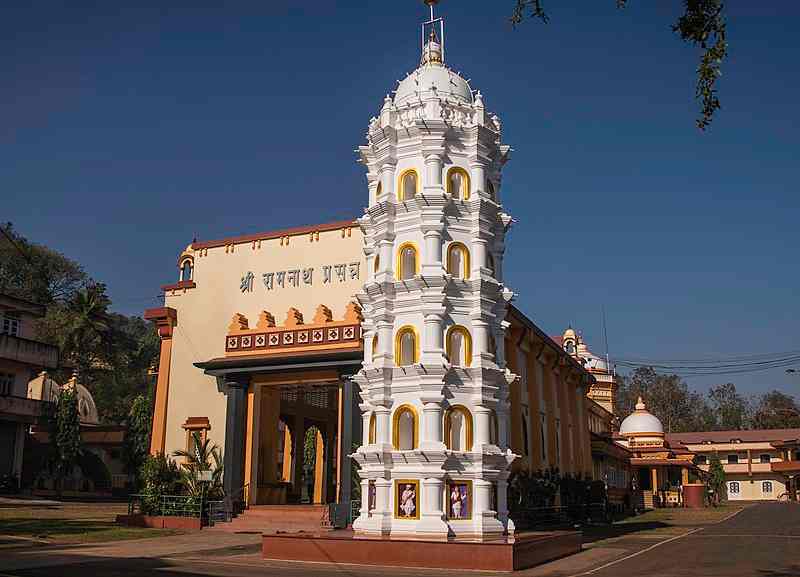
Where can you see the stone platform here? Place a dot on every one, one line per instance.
(507, 554)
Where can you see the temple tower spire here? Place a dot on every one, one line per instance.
(434, 384)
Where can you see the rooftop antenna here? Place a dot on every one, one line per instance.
(434, 21)
(605, 337)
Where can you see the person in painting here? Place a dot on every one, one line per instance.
(456, 503)
(408, 500)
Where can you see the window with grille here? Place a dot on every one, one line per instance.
(6, 384)
(11, 324)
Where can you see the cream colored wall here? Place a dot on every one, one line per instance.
(205, 312)
(750, 488)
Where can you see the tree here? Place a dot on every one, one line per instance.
(729, 407)
(36, 273)
(67, 443)
(702, 25)
(667, 397)
(716, 481)
(776, 410)
(136, 445)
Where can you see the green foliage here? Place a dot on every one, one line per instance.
(716, 481)
(204, 456)
(112, 352)
(668, 397)
(137, 435)
(158, 476)
(775, 410)
(728, 407)
(36, 273)
(702, 24)
(67, 443)
(310, 448)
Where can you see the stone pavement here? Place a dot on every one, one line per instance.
(760, 541)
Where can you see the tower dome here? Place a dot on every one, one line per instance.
(641, 422)
(433, 80)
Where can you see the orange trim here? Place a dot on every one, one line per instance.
(183, 284)
(298, 377)
(294, 231)
(165, 319)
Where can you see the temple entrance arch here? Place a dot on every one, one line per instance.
(297, 428)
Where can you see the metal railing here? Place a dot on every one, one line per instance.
(165, 505)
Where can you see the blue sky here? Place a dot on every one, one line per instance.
(128, 128)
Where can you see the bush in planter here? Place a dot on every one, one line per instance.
(203, 457)
(159, 476)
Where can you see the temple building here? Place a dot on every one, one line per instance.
(390, 339)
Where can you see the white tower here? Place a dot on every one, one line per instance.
(435, 459)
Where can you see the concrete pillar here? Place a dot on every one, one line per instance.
(432, 426)
(431, 519)
(345, 465)
(482, 416)
(233, 475)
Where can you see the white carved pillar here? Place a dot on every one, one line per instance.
(432, 429)
(482, 427)
(385, 343)
(502, 506)
(433, 339)
(386, 262)
(366, 415)
(383, 433)
(478, 179)
(431, 520)
(387, 181)
(478, 257)
(361, 523)
(480, 343)
(382, 515)
(433, 173)
(432, 255)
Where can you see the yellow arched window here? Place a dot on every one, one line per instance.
(187, 270)
(408, 186)
(459, 346)
(405, 428)
(458, 260)
(372, 435)
(407, 261)
(458, 183)
(458, 428)
(406, 347)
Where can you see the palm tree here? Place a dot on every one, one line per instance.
(203, 456)
(89, 326)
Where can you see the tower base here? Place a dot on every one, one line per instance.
(503, 554)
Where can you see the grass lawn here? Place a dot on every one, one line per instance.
(658, 523)
(69, 523)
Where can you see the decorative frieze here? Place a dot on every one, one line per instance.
(294, 335)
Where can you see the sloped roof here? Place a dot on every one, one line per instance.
(753, 436)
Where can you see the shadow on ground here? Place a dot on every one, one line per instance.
(598, 533)
(44, 527)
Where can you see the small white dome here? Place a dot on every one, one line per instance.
(433, 81)
(641, 421)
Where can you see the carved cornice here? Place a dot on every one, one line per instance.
(294, 335)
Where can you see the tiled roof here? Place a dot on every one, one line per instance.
(755, 436)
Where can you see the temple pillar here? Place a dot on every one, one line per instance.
(253, 443)
(432, 425)
(165, 319)
(233, 474)
(431, 519)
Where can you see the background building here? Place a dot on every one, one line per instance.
(22, 357)
(759, 465)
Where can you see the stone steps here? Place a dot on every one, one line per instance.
(279, 518)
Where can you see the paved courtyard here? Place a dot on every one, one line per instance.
(761, 541)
